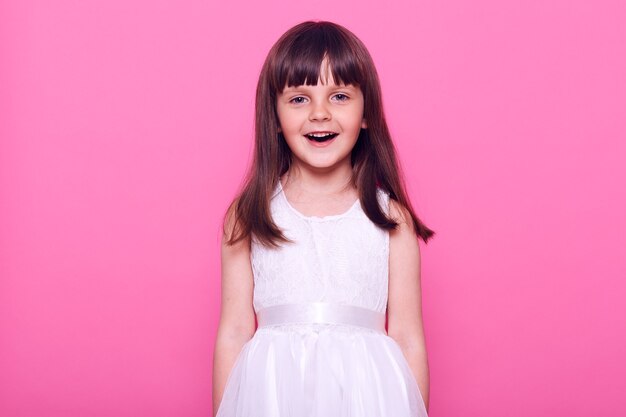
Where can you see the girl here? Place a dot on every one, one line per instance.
(320, 248)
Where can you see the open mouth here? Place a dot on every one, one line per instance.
(321, 137)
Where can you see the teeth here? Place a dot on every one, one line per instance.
(320, 135)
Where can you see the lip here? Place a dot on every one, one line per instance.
(321, 144)
(320, 131)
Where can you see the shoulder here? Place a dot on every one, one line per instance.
(395, 210)
(403, 241)
(400, 214)
(231, 224)
(404, 298)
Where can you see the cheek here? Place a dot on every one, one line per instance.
(282, 115)
(288, 121)
(351, 116)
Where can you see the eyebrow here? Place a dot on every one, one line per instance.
(306, 87)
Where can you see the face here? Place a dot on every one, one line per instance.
(321, 123)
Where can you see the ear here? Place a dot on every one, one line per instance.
(364, 124)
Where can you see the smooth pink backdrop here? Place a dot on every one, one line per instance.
(126, 127)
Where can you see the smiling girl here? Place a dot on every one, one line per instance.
(321, 299)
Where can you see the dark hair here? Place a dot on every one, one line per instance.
(295, 59)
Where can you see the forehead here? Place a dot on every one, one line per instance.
(319, 85)
(325, 80)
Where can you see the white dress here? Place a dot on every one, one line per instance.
(321, 349)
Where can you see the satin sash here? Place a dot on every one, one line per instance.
(321, 312)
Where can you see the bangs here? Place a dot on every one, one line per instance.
(301, 61)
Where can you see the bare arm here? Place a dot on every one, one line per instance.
(404, 308)
(237, 317)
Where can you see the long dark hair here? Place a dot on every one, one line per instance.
(295, 59)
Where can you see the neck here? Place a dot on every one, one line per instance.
(316, 181)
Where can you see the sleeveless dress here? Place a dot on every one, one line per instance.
(321, 348)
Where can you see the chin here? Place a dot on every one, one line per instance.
(323, 164)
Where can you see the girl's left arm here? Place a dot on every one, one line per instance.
(404, 308)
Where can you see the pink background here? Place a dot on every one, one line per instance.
(126, 128)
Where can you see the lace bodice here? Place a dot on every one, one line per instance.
(341, 258)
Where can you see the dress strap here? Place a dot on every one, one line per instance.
(321, 312)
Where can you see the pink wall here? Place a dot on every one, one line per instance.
(126, 127)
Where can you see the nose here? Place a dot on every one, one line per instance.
(319, 112)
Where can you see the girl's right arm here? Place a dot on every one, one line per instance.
(237, 317)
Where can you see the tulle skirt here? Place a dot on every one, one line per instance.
(321, 370)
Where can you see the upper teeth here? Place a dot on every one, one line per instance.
(320, 135)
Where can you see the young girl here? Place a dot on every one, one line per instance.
(320, 247)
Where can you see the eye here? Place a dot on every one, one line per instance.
(345, 97)
(294, 100)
